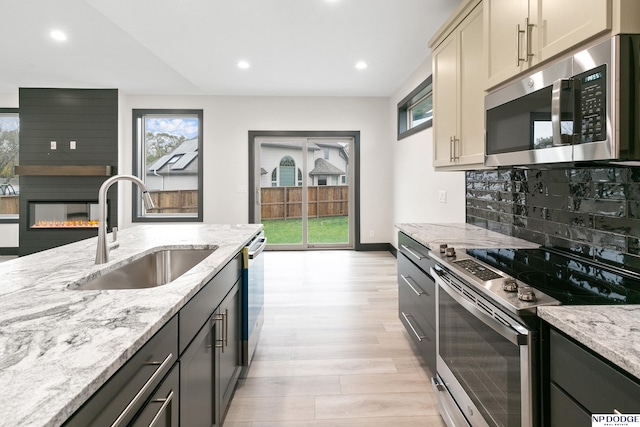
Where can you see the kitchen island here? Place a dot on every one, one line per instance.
(59, 345)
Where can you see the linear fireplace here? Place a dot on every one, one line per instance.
(55, 214)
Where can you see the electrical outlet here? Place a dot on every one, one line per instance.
(72, 145)
(54, 145)
(372, 233)
(442, 196)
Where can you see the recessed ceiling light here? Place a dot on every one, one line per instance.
(361, 65)
(58, 35)
(243, 64)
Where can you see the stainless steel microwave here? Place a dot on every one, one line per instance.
(580, 109)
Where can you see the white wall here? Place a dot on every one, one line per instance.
(398, 183)
(415, 182)
(227, 121)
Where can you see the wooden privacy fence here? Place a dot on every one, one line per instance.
(9, 205)
(176, 201)
(286, 202)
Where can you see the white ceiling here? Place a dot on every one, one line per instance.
(192, 47)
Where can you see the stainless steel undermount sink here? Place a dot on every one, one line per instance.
(154, 269)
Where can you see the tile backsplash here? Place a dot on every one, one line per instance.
(593, 212)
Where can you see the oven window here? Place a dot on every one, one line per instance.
(486, 364)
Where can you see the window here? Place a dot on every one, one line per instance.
(9, 183)
(415, 111)
(168, 158)
(326, 153)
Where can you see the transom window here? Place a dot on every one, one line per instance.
(415, 111)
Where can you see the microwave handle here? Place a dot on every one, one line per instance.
(571, 87)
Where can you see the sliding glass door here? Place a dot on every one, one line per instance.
(302, 192)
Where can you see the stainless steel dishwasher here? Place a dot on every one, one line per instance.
(252, 297)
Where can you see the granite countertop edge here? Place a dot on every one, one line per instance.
(69, 342)
(461, 236)
(613, 332)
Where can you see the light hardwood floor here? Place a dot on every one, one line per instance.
(333, 351)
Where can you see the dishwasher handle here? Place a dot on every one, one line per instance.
(257, 246)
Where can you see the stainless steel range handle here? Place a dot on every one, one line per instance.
(406, 280)
(150, 382)
(420, 337)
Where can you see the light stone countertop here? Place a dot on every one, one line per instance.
(58, 345)
(611, 331)
(461, 236)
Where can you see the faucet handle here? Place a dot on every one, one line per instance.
(114, 233)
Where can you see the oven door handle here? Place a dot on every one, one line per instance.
(517, 337)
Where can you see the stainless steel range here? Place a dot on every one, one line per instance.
(488, 363)
(487, 343)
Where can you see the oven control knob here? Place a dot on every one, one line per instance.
(509, 284)
(525, 293)
(443, 248)
(450, 252)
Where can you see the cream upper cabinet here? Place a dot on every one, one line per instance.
(560, 25)
(458, 96)
(522, 33)
(505, 38)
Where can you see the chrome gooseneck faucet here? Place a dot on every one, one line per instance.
(102, 252)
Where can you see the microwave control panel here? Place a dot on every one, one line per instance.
(594, 104)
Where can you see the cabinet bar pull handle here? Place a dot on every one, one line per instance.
(134, 402)
(219, 318)
(419, 257)
(165, 402)
(420, 337)
(226, 327)
(420, 292)
(456, 148)
(451, 153)
(518, 32)
(529, 32)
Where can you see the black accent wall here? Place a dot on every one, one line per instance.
(593, 212)
(87, 116)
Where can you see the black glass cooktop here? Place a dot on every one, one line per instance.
(570, 280)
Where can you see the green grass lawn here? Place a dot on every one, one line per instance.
(334, 229)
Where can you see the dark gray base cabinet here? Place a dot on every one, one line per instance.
(582, 384)
(210, 366)
(186, 373)
(417, 297)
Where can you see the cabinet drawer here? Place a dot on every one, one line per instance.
(422, 335)
(419, 288)
(196, 312)
(566, 412)
(416, 252)
(592, 382)
(142, 373)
